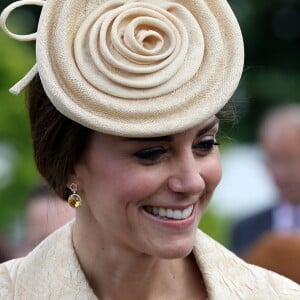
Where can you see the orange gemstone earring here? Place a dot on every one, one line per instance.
(74, 199)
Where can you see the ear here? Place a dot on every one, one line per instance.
(71, 179)
(74, 177)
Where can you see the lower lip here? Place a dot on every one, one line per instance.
(173, 223)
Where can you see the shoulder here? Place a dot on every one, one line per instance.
(245, 231)
(265, 214)
(22, 277)
(229, 277)
(8, 271)
(50, 271)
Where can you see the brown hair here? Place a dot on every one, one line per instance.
(58, 142)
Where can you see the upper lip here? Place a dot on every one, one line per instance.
(180, 204)
(174, 207)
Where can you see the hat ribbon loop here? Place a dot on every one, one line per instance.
(19, 86)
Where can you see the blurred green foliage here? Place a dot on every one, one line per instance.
(16, 59)
(218, 227)
(271, 31)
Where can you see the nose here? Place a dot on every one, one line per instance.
(186, 177)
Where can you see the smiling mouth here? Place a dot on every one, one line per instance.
(169, 213)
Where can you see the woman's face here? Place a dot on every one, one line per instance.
(148, 195)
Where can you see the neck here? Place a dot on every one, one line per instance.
(117, 273)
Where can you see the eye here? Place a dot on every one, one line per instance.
(150, 155)
(205, 146)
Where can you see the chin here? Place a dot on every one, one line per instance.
(176, 249)
(177, 254)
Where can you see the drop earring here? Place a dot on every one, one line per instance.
(74, 199)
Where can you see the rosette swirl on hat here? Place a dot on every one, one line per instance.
(139, 68)
(137, 49)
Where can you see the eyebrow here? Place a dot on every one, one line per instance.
(209, 126)
(170, 138)
(166, 138)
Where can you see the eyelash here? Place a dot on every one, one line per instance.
(151, 154)
(206, 145)
(154, 154)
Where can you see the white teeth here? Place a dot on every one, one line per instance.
(170, 213)
(161, 212)
(186, 213)
(177, 214)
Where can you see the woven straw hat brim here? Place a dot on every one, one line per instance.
(139, 68)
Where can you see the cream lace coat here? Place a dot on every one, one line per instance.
(52, 271)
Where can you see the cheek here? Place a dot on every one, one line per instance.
(130, 183)
(139, 184)
(213, 173)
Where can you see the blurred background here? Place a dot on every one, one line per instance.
(271, 31)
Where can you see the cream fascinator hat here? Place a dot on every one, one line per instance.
(135, 68)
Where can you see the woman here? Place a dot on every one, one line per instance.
(123, 116)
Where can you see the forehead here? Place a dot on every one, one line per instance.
(197, 130)
(284, 141)
(281, 131)
(285, 121)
